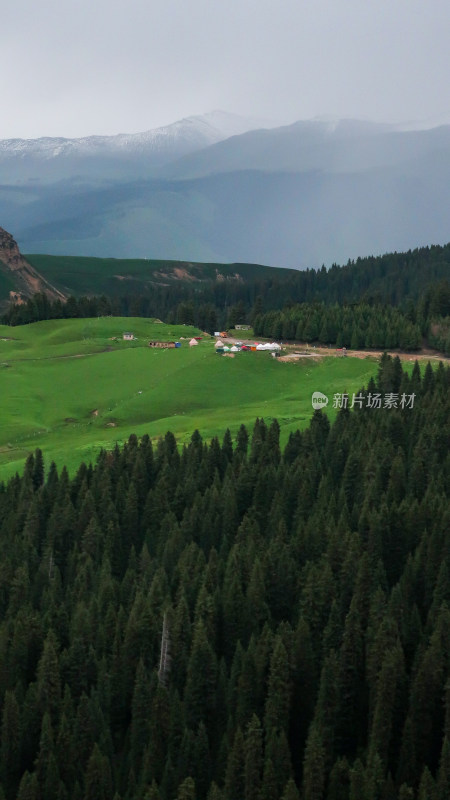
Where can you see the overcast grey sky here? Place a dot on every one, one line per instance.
(78, 67)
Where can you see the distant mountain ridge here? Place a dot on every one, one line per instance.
(123, 155)
(343, 146)
(211, 189)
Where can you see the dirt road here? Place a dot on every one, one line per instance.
(307, 350)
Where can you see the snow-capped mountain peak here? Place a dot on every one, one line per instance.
(198, 130)
(132, 154)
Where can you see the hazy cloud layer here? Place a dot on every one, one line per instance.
(75, 68)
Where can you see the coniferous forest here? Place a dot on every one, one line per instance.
(232, 621)
(398, 300)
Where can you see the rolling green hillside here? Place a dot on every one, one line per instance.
(70, 387)
(115, 276)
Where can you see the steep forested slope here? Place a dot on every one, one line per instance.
(210, 294)
(303, 598)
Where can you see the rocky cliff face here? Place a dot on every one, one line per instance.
(9, 251)
(27, 281)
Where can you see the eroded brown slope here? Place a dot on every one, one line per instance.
(27, 280)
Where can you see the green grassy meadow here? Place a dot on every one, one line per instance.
(70, 387)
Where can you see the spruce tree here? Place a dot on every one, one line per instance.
(276, 717)
(29, 787)
(427, 787)
(201, 682)
(290, 791)
(10, 749)
(140, 720)
(314, 774)
(186, 790)
(351, 685)
(270, 784)
(98, 777)
(253, 764)
(235, 771)
(443, 777)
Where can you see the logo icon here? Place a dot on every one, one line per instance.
(319, 400)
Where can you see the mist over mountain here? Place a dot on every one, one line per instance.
(343, 146)
(123, 156)
(208, 188)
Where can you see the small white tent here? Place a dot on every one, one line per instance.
(192, 342)
(219, 343)
(268, 346)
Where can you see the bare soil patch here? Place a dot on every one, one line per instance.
(293, 357)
